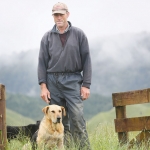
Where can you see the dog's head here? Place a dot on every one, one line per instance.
(54, 113)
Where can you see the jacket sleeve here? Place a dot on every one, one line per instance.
(86, 61)
(43, 60)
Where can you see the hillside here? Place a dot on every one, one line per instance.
(31, 107)
(15, 119)
(109, 116)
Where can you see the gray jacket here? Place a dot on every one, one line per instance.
(74, 56)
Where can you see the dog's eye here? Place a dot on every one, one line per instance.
(59, 110)
(53, 111)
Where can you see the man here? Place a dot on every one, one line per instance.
(64, 54)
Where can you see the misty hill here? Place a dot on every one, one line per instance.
(120, 63)
(18, 72)
(31, 107)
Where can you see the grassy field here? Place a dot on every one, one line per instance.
(103, 137)
(101, 131)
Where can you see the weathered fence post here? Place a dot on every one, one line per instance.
(123, 125)
(121, 113)
(3, 135)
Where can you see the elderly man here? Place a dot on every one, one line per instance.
(64, 72)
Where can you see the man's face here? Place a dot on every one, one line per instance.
(61, 19)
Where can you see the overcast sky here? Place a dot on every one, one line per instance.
(23, 22)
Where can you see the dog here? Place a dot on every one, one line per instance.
(29, 130)
(51, 130)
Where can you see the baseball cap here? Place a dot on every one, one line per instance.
(60, 8)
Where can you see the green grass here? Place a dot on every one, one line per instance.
(101, 131)
(103, 137)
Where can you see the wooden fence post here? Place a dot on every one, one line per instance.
(3, 135)
(123, 125)
(121, 113)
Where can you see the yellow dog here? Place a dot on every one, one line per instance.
(51, 130)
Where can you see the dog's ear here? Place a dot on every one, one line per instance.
(63, 111)
(45, 109)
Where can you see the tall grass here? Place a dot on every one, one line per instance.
(103, 137)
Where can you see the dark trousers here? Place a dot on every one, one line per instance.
(65, 91)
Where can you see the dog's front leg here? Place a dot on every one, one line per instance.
(60, 144)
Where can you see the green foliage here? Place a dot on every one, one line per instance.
(18, 143)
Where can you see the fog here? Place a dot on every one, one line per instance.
(119, 63)
(24, 22)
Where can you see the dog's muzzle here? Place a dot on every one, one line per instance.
(58, 119)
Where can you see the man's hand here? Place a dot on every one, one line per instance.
(45, 94)
(85, 93)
